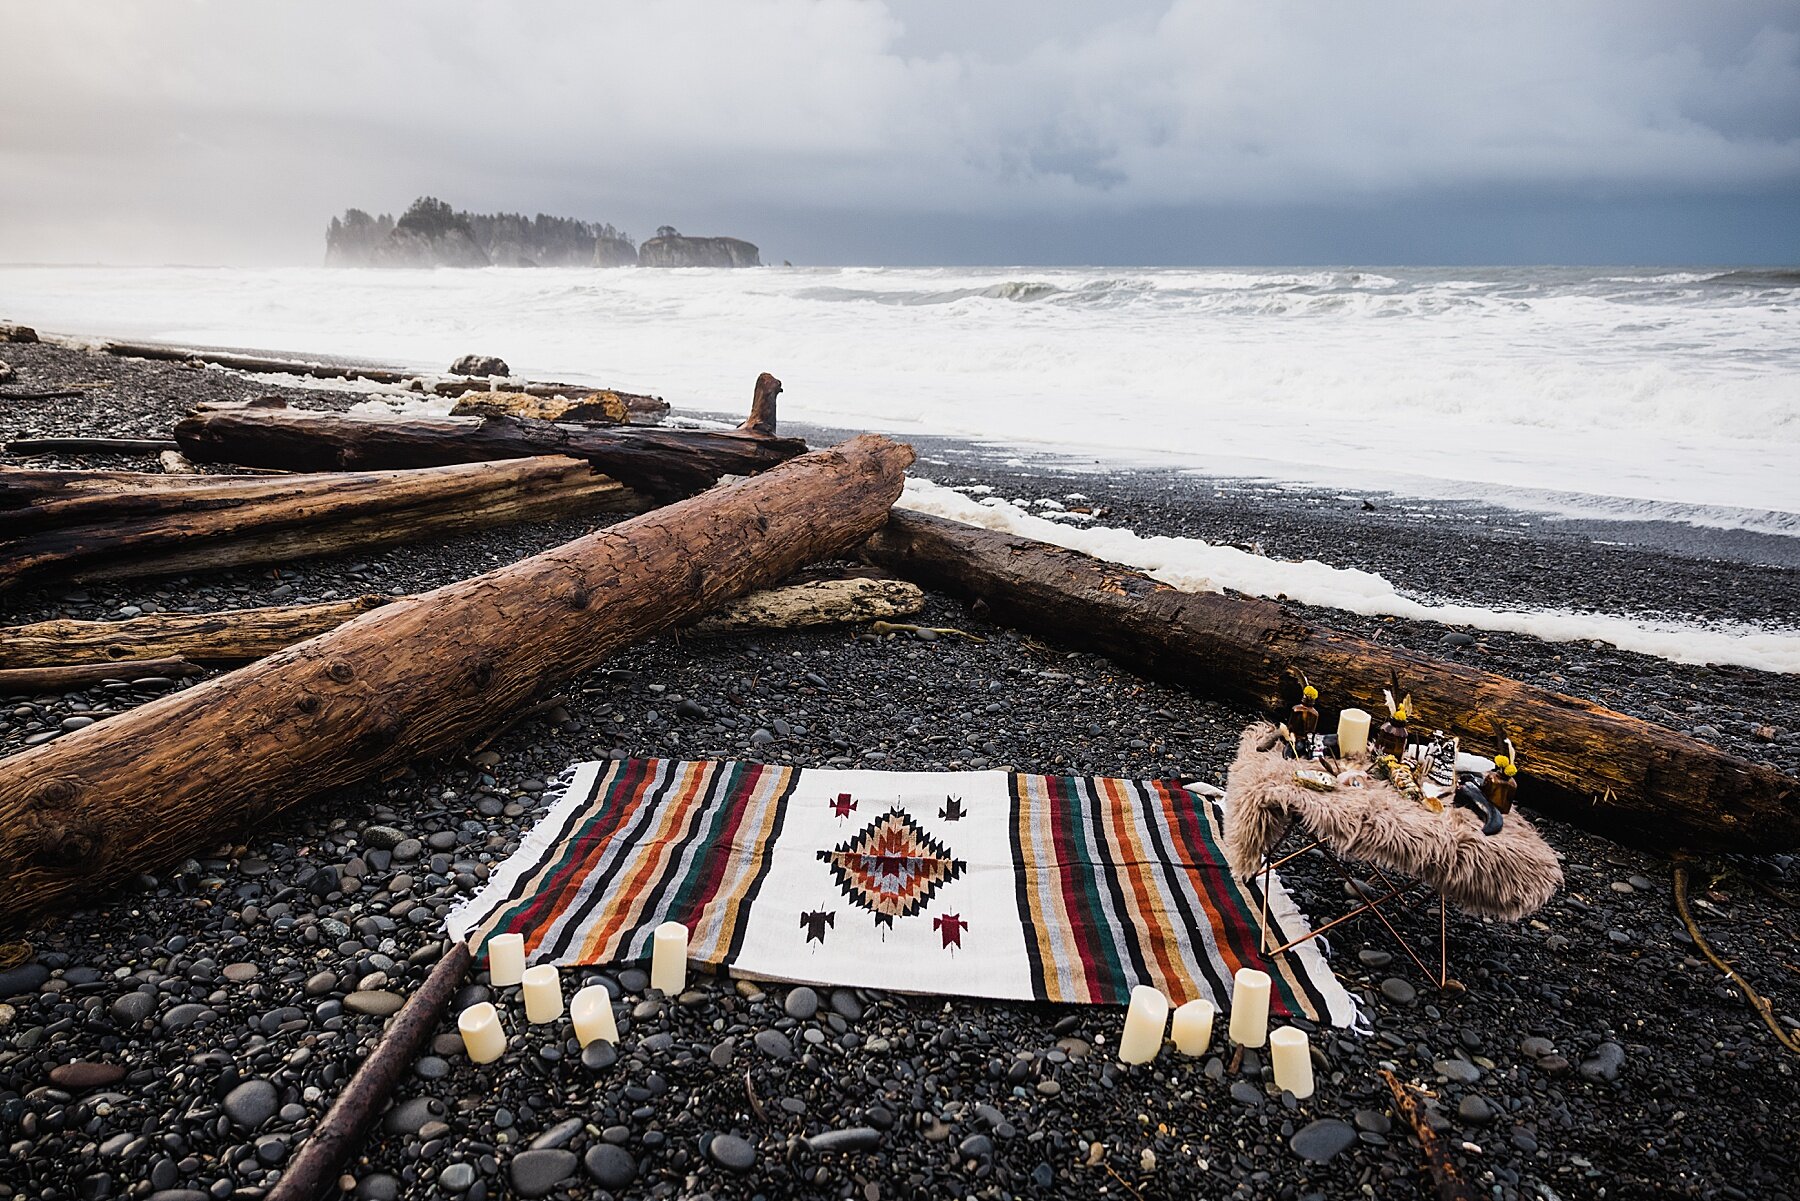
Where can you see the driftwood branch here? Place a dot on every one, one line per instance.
(1444, 1176)
(408, 679)
(314, 1170)
(87, 446)
(1757, 1001)
(32, 681)
(229, 636)
(661, 463)
(113, 527)
(1665, 788)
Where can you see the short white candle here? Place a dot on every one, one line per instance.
(668, 958)
(1353, 733)
(481, 1033)
(592, 1013)
(1293, 1061)
(543, 993)
(506, 959)
(1192, 1027)
(1250, 1008)
(1144, 1022)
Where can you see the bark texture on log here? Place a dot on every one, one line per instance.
(596, 408)
(31, 681)
(1623, 777)
(229, 636)
(818, 603)
(410, 678)
(661, 463)
(190, 523)
(313, 1172)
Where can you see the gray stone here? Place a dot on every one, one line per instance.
(774, 1044)
(1399, 991)
(382, 838)
(976, 1146)
(1321, 1141)
(27, 977)
(1604, 1063)
(408, 849)
(1475, 1110)
(1459, 1070)
(731, 1153)
(377, 1003)
(379, 1186)
(456, 1178)
(559, 1135)
(252, 1103)
(1373, 1120)
(535, 1173)
(132, 1008)
(410, 1116)
(183, 1016)
(611, 1167)
(801, 1003)
(850, 1138)
(599, 1055)
(1245, 1093)
(81, 1077)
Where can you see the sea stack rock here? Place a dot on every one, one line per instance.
(677, 250)
(430, 234)
(615, 252)
(480, 364)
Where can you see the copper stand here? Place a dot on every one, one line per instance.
(1395, 892)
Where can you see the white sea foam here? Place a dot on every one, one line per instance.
(1198, 566)
(1665, 395)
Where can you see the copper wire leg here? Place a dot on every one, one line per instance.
(1440, 977)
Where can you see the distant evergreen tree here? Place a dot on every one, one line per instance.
(508, 239)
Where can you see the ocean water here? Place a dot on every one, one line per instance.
(1649, 393)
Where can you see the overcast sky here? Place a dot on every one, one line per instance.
(917, 131)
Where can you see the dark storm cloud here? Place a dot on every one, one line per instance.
(915, 131)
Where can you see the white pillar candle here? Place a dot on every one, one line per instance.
(481, 1033)
(543, 993)
(668, 958)
(1250, 1008)
(1353, 733)
(1192, 1027)
(1293, 1061)
(506, 959)
(592, 1013)
(1144, 1022)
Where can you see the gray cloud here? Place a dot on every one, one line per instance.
(198, 131)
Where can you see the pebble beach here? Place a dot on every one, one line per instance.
(177, 1040)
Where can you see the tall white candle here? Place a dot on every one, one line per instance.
(1292, 1060)
(592, 1013)
(1353, 733)
(543, 993)
(668, 958)
(506, 959)
(1144, 1022)
(1250, 1007)
(481, 1033)
(1192, 1027)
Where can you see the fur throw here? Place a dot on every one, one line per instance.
(1509, 875)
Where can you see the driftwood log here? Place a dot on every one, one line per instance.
(31, 681)
(640, 408)
(1626, 778)
(117, 525)
(89, 446)
(408, 679)
(661, 463)
(229, 636)
(814, 603)
(313, 1172)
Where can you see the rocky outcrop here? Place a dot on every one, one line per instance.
(480, 364)
(16, 333)
(430, 234)
(614, 252)
(678, 250)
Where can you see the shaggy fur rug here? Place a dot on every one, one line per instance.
(1509, 875)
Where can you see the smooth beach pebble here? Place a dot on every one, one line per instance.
(731, 1152)
(611, 1167)
(535, 1173)
(1322, 1140)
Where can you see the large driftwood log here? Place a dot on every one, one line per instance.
(31, 681)
(89, 446)
(119, 527)
(229, 636)
(408, 679)
(661, 463)
(1618, 775)
(313, 1172)
(814, 603)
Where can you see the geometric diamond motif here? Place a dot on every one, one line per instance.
(892, 868)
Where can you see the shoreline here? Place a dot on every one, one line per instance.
(1698, 1105)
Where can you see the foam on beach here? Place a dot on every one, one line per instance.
(1195, 565)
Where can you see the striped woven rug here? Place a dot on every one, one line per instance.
(989, 884)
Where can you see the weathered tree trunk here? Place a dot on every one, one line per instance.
(408, 679)
(118, 526)
(1625, 778)
(660, 463)
(229, 636)
(30, 681)
(597, 408)
(89, 446)
(816, 603)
